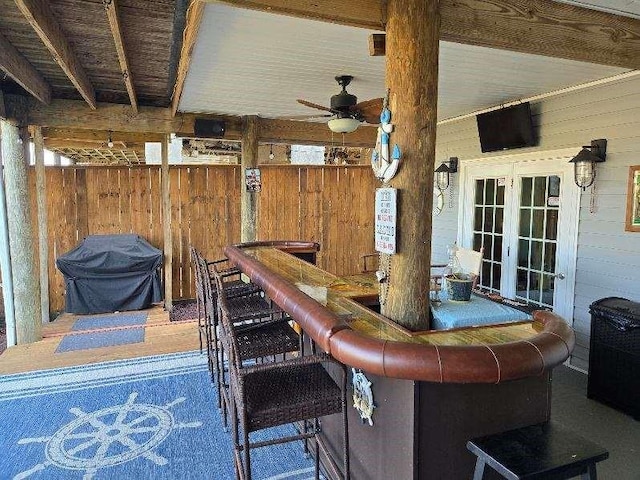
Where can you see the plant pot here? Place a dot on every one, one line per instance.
(459, 287)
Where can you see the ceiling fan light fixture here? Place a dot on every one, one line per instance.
(343, 125)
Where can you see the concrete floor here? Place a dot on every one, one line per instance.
(615, 431)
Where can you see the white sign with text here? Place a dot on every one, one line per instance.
(386, 220)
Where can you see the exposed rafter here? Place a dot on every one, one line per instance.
(43, 21)
(60, 143)
(356, 13)
(19, 68)
(99, 136)
(111, 8)
(74, 114)
(194, 18)
(541, 27)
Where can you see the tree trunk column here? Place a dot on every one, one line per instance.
(26, 283)
(412, 35)
(248, 199)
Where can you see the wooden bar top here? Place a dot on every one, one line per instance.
(327, 307)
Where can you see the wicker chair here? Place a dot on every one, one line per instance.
(262, 330)
(208, 316)
(277, 393)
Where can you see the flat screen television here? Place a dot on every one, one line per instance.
(509, 127)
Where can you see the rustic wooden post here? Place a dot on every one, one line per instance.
(57, 159)
(413, 30)
(5, 258)
(166, 226)
(43, 234)
(25, 138)
(248, 199)
(26, 288)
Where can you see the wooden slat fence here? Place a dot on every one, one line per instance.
(330, 205)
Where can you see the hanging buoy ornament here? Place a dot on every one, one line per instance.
(384, 164)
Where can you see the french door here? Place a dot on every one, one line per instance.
(523, 211)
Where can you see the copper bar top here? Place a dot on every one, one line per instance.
(327, 307)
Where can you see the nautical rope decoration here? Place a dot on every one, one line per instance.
(385, 166)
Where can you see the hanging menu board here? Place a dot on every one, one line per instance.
(385, 226)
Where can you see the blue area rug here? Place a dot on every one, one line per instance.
(149, 418)
(84, 341)
(97, 322)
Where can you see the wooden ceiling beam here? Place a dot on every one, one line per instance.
(59, 143)
(194, 19)
(41, 17)
(111, 8)
(19, 68)
(99, 136)
(540, 27)
(74, 115)
(370, 14)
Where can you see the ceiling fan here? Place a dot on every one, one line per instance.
(347, 113)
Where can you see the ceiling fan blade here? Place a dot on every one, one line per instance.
(303, 117)
(314, 105)
(370, 110)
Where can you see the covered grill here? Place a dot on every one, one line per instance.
(108, 273)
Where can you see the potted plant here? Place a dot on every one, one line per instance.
(459, 286)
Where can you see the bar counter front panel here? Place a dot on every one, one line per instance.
(432, 390)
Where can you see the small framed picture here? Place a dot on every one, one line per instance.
(252, 179)
(632, 223)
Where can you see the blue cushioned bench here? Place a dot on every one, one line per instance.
(476, 312)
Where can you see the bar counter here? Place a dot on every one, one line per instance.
(432, 390)
(330, 309)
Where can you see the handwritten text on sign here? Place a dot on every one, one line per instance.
(386, 220)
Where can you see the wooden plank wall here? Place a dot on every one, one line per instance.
(330, 205)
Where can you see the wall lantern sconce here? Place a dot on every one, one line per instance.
(584, 164)
(444, 171)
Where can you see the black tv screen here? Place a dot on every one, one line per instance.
(506, 128)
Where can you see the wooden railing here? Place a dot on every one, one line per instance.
(330, 205)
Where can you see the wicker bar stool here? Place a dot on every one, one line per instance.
(263, 331)
(207, 316)
(277, 393)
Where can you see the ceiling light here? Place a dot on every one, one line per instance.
(110, 141)
(343, 125)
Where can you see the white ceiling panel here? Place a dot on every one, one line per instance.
(628, 8)
(247, 62)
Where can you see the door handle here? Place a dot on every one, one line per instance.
(559, 276)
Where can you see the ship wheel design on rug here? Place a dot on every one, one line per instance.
(107, 437)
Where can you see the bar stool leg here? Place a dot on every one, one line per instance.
(479, 471)
(591, 473)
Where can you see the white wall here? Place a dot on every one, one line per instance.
(608, 261)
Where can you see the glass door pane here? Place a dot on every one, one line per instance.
(537, 239)
(488, 229)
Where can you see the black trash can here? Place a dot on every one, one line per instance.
(614, 355)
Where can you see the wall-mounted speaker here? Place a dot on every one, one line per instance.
(204, 128)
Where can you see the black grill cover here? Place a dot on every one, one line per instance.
(108, 273)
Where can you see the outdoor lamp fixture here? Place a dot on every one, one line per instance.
(343, 124)
(110, 140)
(584, 164)
(444, 171)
